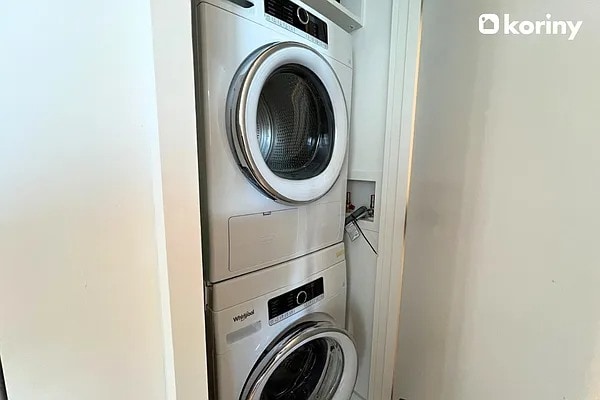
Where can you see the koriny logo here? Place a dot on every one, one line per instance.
(489, 24)
(241, 317)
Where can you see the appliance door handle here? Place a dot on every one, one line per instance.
(242, 3)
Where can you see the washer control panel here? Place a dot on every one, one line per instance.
(297, 18)
(287, 304)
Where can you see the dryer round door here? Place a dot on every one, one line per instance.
(288, 122)
(312, 361)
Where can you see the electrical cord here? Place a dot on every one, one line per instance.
(353, 219)
(365, 236)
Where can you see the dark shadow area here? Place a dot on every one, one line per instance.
(3, 394)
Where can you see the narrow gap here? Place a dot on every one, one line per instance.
(3, 394)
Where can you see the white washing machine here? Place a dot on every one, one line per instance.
(278, 333)
(273, 91)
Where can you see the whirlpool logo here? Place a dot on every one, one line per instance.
(494, 24)
(242, 317)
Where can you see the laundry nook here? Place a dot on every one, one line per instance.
(299, 200)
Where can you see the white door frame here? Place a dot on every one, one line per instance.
(403, 70)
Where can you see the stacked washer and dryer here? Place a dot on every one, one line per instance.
(273, 91)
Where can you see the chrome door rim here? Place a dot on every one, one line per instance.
(300, 335)
(242, 121)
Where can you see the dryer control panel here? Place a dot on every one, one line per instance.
(298, 18)
(287, 304)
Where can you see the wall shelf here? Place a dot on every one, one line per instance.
(347, 19)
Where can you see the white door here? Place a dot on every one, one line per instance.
(313, 360)
(288, 122)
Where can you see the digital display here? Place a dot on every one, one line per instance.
(287, 304)
(298, 17)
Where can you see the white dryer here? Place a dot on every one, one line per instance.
(273, 91)
(278, 333)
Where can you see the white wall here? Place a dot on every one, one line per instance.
(371, 47)
(182, 258)
(500, 291)
(86, 225)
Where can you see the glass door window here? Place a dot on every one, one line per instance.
(295, 123)
(311, 372)
(312, 361)
(288, 123)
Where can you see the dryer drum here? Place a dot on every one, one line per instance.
(295, 124)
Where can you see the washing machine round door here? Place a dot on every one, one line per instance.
(288, 122)
(313, 360)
